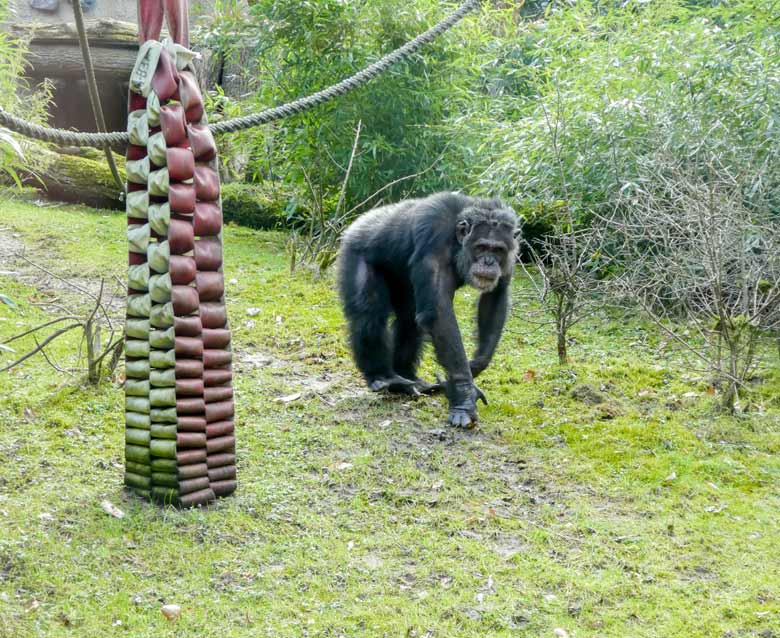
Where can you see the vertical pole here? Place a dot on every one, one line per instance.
(94, 96)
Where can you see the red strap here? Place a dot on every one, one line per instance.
(177, 17)
(150, 20)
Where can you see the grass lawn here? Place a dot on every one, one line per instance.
(638, 513)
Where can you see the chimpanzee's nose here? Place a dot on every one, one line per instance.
(489, 260)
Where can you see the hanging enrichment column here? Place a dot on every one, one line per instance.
(180, 442)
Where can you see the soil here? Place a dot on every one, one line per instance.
(73, 295)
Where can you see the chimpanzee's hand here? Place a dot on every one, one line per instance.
(462, 418)
(463, 404)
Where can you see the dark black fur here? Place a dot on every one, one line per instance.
(408, 259)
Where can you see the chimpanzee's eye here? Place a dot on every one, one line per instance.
(490, 246)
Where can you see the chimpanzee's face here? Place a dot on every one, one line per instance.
(489, 246)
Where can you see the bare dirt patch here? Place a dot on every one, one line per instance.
(331, 387)
(11, 246)
(59, 291)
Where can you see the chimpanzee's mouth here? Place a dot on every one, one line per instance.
(483, 283)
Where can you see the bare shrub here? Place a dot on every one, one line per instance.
(701, 255)
(315, 241)
(569, 261)
(566, 280)
(100, 349)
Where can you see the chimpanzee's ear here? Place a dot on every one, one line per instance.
(462, 230)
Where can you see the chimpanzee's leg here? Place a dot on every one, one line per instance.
(367, 307)
(408, 341)
(407, 338)
(434, 289)
(407, 347)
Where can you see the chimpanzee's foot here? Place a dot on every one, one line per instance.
(424, 387)
(396, 384)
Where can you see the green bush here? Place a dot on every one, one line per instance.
(260, 206)
(556, 104)
(17, 155)
(611, 88)
(295, 47)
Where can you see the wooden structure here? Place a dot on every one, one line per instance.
(55, 56)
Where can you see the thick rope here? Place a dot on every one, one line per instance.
(60, 136)
(349, 84)
(94, 95)
(118, 139)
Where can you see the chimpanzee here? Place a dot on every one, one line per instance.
(408, 259)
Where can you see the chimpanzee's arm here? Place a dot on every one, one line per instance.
(491, 316)
(434, 290)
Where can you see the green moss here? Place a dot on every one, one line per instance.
(87, 171)
(80, 179)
